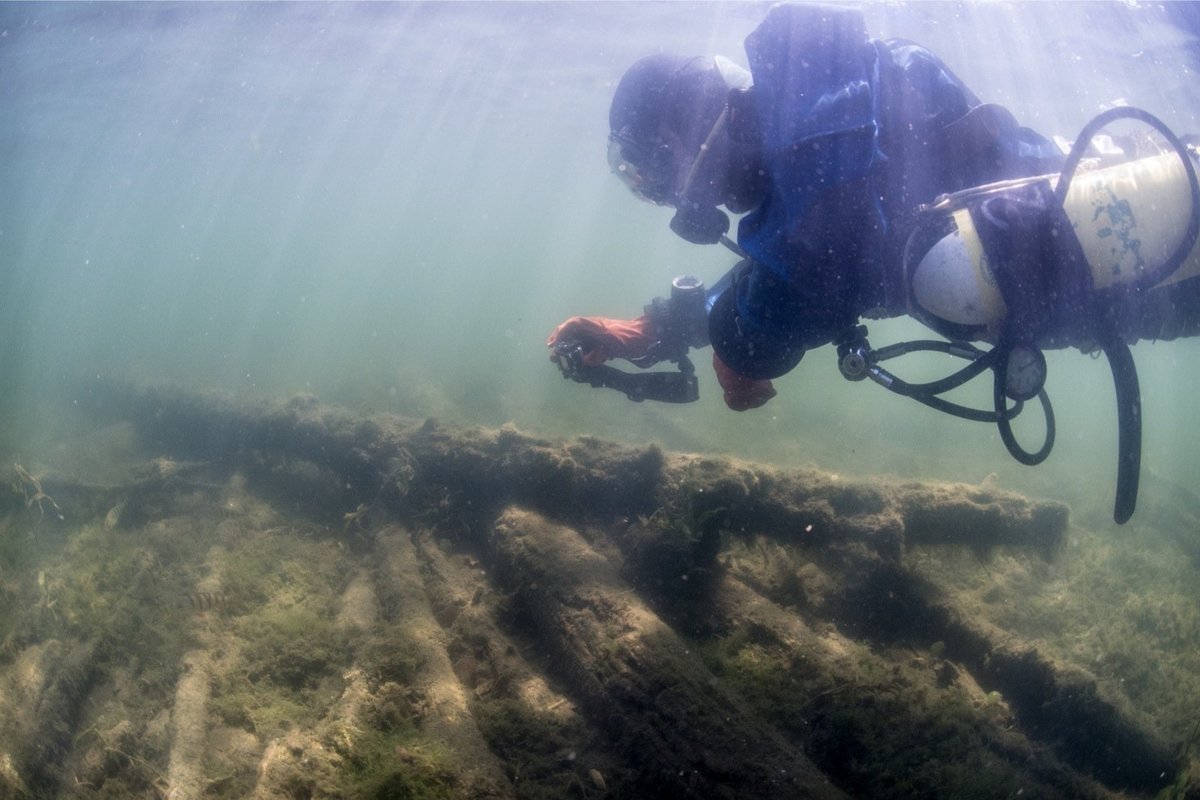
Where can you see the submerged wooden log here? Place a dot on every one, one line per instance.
(189, 728)
(694, 739)
(358, 460)
(39, 709)
(1059, 703)
(825, 658)
(448, 718)
(659, 624)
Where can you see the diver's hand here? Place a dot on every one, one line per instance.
(741, 393)
(590, 341)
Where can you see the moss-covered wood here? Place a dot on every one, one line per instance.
(285, 600)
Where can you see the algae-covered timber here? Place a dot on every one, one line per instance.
(284, 600)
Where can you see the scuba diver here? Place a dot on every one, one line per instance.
(874, 184)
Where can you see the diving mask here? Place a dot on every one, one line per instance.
(645, 169)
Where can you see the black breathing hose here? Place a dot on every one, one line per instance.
(929, 393)
(1004, 421)
(1129, 429)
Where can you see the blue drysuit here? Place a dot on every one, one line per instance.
(855, 133)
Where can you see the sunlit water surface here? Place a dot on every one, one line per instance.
(391, 205)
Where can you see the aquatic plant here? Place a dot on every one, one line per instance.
(1185, 785)
(30, 488)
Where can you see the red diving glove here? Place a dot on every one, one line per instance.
(603, 338)
(741, 393)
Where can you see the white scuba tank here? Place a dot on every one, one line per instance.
(1131, 214)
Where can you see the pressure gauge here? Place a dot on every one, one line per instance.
(1024, 373)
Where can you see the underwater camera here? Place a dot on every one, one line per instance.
(679, 323)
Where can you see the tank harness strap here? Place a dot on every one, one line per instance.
(1039, 266)
(1047, 286)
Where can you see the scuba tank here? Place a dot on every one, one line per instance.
(1049, 262)
(1130, 220)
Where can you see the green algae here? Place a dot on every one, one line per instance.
(399, 764)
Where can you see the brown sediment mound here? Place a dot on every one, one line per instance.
(411, 610)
